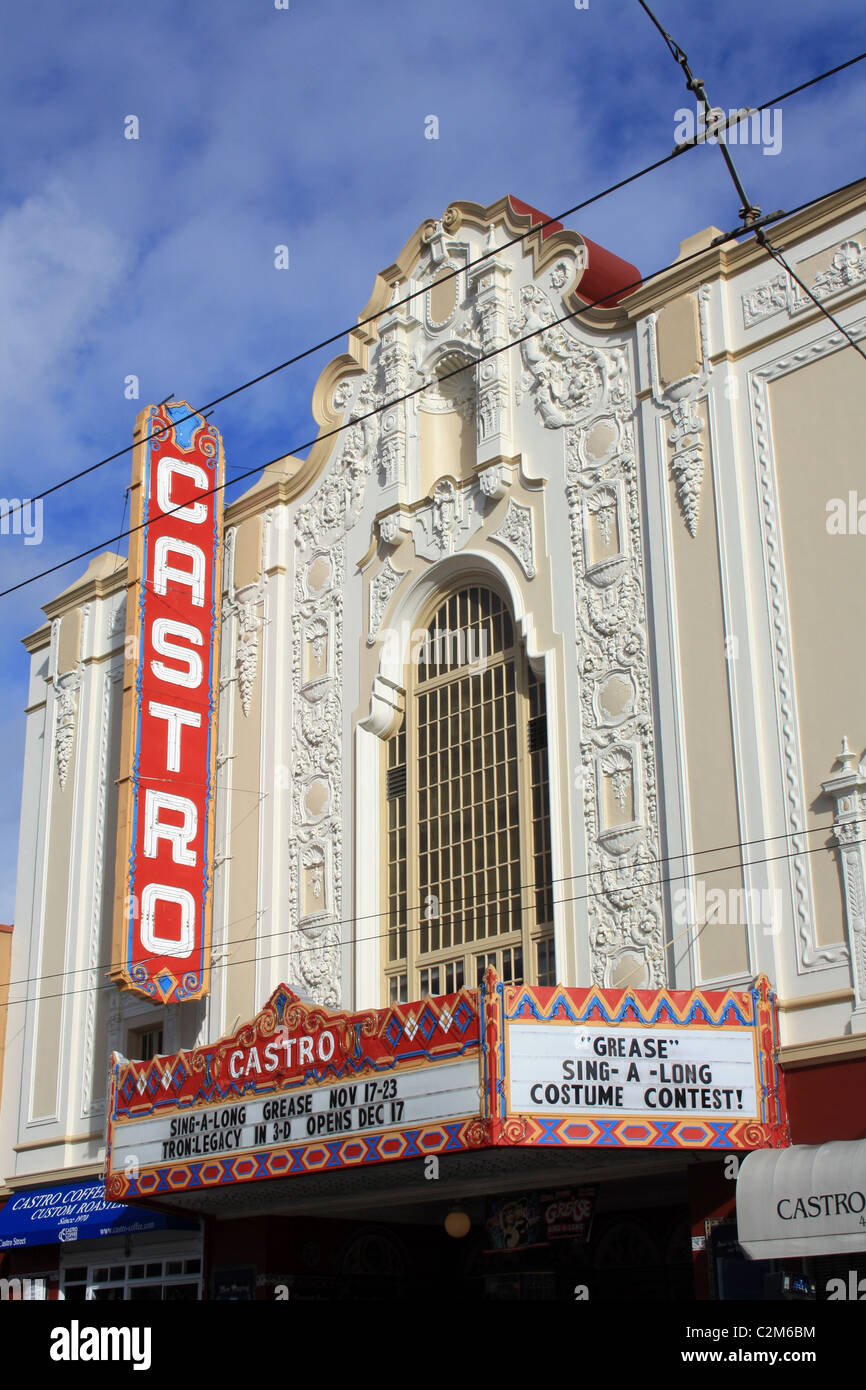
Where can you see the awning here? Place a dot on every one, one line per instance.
(802, 1201)
(76, 1211)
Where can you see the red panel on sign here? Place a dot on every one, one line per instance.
(166, 824)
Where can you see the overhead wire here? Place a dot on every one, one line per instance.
(537, 227)
(371, 318)
(258, 469)
(750, 213)
(489, 943)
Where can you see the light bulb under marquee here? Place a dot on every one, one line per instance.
(458, 1224)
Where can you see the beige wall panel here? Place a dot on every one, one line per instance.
(53, 961)
(447, 446)
(722, 945)
(240, 985)
(443, 295)
(69, 642)
(679, 340)
(818, 416)
(248, 552)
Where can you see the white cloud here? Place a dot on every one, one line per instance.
(60, 266)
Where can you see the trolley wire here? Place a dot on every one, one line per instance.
(407, 299)
(258, 469)
(485, 943)
(750, 213)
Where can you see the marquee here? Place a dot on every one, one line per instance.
(300, 1089)
(165, 820)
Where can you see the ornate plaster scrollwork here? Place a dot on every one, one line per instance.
(316, 836)
(381, 591)
(395, 526)
(566, 378)
(491, 408)
(247, 656)
(447, 521)
(66, 686)
(337, 503)
(602, 504)
(66, 690)
(681, 398)
(847, 788)
(617, 766)
(493, 376)
(446, 516)
(395, 369)
(342, 395)
(589, 392)
(495, 481)
(244, 607)
(847, 267)
(316, 847)
(765, 300)
(516, 534)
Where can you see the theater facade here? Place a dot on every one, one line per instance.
(441, 868)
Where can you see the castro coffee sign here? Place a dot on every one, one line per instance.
(165, 831)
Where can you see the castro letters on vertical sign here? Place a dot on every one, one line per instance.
(169, 711)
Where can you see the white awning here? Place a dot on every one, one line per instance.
(802, 1201)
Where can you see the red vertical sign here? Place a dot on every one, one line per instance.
(165, 830)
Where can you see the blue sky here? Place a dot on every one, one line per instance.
(306, 127)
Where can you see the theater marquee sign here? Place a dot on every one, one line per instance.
(301, 1088)
(165, 817)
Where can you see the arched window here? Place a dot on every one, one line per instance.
(467, 809)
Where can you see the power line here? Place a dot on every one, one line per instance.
(484, 900)
(750, 213)
(444, 376)
(361, 323)
(777, 256)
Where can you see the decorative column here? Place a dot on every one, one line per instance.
(493, 381)
(847, 787)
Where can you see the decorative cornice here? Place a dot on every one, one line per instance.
(828, 1050)
(847, 269)
(105, 575)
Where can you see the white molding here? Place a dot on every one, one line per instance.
(810, 956)
(111, 687)
(676, 825)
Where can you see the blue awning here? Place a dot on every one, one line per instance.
(76, 1211)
